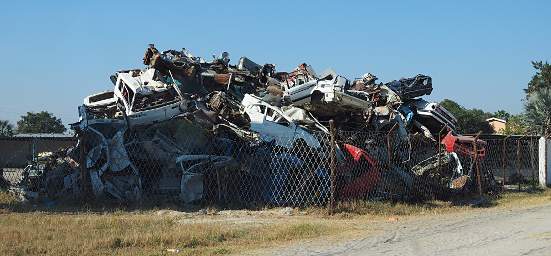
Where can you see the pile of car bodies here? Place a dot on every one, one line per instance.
(184, 127)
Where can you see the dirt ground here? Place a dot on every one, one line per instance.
(522, 230)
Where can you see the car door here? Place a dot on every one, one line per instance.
(270, 124)
(282, 129)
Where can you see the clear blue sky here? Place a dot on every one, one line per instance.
(57, 52)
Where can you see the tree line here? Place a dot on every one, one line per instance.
(534, 120)
(41, 122)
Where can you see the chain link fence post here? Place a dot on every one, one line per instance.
(504, 159)
(82, 165)
(84, 177)
(532, 165)
(477, 164)
(389, 146)
(519, 174)
(439, 148)
(389, 153)
(333, 163)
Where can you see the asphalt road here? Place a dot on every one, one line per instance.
(500, 232)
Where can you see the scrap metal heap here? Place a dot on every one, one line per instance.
(180, 124)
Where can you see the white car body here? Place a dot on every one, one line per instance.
(273, 125)
(325, 96)
(100, 99)
(85, 120)
(131, 86)
(434, 116)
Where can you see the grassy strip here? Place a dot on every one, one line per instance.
(137, 234)
(384, 209)
(514, 199)
(24, 231)
(146, 233)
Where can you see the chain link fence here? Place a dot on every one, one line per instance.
(514, 160)
(318, 169)
(233, 171)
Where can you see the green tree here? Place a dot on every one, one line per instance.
(538, 111)
(469, 121)
(516, 125)
(502, 114)
(542, 78)
(42, 122)
(452, 106)
(538, 99)
(6, 129)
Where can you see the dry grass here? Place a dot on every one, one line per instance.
(515, 199)
(27, 231)
(385, 209)
(395, 209)
(7, 199)
(138, 234)
(148, 233)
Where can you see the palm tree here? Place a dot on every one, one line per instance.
(538, 111)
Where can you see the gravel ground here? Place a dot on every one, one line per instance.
(525, 231)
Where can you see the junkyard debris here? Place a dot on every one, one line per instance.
(188, 127)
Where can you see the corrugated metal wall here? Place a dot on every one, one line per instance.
(16, 151)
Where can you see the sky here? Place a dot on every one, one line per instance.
(477, 52)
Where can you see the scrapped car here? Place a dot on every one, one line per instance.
(274, 125)
(100, 105)
(193, 168)
(464, 145)
(434, 116)
(100, 99)
(326, 96)
(92, 116)
(409, 88)
(147, 97)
